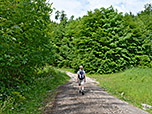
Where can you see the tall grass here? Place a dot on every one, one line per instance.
(32, 95)
(133, 85)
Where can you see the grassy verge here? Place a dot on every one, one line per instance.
(35, 94)
(133, 85)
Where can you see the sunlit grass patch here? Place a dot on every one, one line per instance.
(133, 85)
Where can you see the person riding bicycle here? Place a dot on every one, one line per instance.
(81, 79)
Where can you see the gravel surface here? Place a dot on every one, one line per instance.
(95, 100)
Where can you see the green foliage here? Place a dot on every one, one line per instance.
(24, 41)
(28, 99)
(104, 41)
(62, 39)
(24, 47)
(7, 105)
(132, 85)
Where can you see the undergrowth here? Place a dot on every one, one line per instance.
(28, 98)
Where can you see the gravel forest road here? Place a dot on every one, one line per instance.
(95, 100)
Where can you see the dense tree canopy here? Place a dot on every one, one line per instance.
(104, 41)
(24, 40)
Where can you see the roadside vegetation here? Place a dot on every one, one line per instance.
(25, 51)
(133, 85)
(28, 99)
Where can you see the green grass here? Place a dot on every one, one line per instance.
(35, 93)
(133, 85)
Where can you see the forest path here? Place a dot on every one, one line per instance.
(95, 100)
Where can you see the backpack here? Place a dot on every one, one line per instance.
(81, 75)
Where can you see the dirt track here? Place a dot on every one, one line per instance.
(95, 100)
